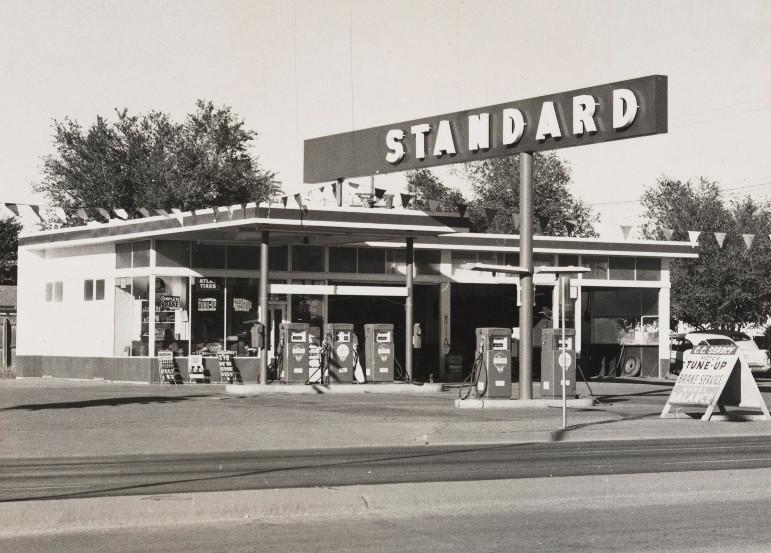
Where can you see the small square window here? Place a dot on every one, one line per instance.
(58, 291)
(88, 290)
(49, 291)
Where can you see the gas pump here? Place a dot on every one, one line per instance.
(293, 352)
(493, 355)
(379, 351)
(341, 352)
(314, 355)
(552, 362)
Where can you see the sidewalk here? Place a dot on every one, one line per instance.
(45, 417)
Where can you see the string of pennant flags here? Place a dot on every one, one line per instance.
(54, 217)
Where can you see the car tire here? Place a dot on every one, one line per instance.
(631, 366)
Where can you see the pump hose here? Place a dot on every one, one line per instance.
(277, 361)
(473, 377)
(591, 393)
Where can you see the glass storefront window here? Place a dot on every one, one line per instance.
(428, 262)
(132, 254)
(621, 268)
(598, 265)
(141, 253)
(172, 320)
(208, 256)
(372, 261)
(342, 260)
(308, 259)
(243, 305)
(172, 253)
(543, 260)
(132, 316)
(648, 268)
(461, 257)
(308, 309)
(395, 262)
(278, 258)
(245, 258)
(208, 315)
(567, 260)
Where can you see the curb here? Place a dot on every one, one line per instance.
(580, 403)
(339, 389)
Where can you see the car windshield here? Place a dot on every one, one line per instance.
(719, 342)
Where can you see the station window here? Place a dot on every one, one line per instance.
(621, 268)
(245, 258)
(132, 254)
(567, 260)
(93, 290)
(172, 253)
(49, 291)
(208, 256)
(648, 268)
(462, 257)
(395, 262)
(598, 265)
(428, 262)
(308, 259)
(278, 258)
(372, 261)
(342, 260)
(58, 291)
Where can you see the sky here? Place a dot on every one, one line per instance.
(298, 70)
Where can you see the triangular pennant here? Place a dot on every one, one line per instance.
(379, 193)
(668, 233)
(625, 230)
(769, 237)
(693, 235)
(160, 211)
(748, 238)
(144, 211)
(334, 189)
(176, 210)
(570, 226)
(353, 184)
(461, 209)
(36, 210)
(298, 198)
(406, 199)
(81, 213)
(121, 213)
(543, 223)
(103, 212)
(490, 213)
(14, 208)
(322, 188)
(720, 238)
(284, 200)
(433, 205)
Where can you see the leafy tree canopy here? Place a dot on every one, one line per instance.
(148, 160)
(424, 186)
(9, 245)
(726, 287)
(557, 212)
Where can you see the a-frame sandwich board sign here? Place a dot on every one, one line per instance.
(716, 377)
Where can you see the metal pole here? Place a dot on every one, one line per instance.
(526, 280)
(562, 356)
(408, 320)
(263, 315)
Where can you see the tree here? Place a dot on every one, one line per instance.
(9, 246)
(150, 161)
(557, 212)
(424, 186)
(728, 286)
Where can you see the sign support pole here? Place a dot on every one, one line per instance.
(526, 280)
(562, 357)
(408, 315)
(263, 316)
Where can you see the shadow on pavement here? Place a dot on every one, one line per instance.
(559, 435)
(105, 402)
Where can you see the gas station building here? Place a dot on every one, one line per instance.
(102, 300)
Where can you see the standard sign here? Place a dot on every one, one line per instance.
(625, 109)
(715, 376)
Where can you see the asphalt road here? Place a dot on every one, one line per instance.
(704, 512)
(51, 478)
